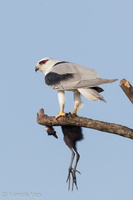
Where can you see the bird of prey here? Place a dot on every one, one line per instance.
(66, 76)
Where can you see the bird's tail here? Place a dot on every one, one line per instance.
(91, 94)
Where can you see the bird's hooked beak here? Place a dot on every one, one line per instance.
(36, 68)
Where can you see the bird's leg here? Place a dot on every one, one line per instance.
(75, 170)
(70, 170)
(77, 101)
(61, 99)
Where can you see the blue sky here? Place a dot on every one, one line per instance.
(97, 34)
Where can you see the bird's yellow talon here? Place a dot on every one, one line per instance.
(76, 106)
(60, 115)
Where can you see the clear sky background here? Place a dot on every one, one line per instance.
(97, 34)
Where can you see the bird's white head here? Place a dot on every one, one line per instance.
(44, 65)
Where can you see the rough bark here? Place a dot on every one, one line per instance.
(75, 120)
(127, 88)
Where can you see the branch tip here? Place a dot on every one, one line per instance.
(41, 112)
(125, 83)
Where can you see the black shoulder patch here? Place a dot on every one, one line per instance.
(53, 78)
(58, 63)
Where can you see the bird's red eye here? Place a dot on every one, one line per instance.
(43, 62)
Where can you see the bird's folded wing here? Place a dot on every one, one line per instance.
(93, 82)
(73, 84)
(79, 71)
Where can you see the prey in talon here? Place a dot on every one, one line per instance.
(72, 134)
(67, 76)
(50, 130)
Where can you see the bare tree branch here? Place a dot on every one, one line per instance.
(75, 120)
(127, 88)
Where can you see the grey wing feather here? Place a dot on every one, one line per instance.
(77, 70)
(83, 77)
(93, 82)
(72, 85)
